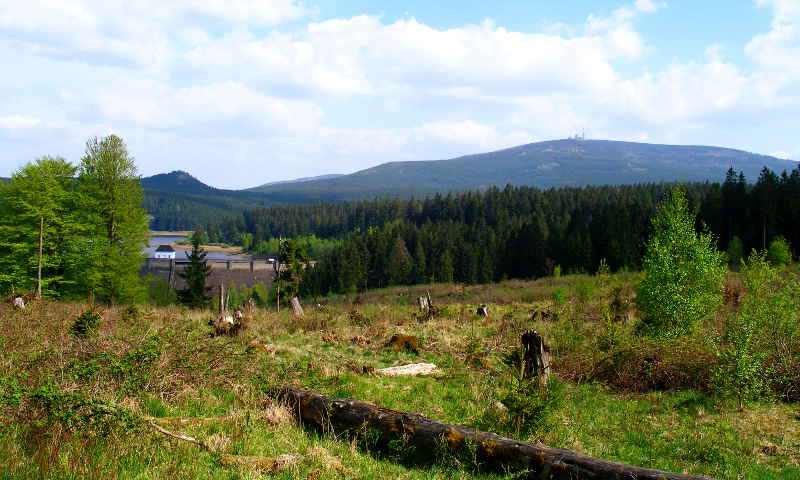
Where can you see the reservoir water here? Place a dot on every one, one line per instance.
(156, 240)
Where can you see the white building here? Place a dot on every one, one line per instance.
(165, 251)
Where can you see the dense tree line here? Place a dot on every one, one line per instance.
(517, 232)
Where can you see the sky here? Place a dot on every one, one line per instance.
(244, 92)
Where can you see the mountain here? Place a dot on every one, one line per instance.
(557, 163)
(177, 181)
(300, 180)
(178, 201)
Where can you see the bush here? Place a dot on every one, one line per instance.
(683, 272)
(778, 253)
(760, 344)
(86, 324)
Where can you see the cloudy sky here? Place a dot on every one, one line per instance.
(242, 92)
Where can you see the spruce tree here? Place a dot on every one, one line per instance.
(401, 264)
(196, 275)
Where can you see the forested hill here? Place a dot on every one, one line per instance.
(557, 163)
(179, 201)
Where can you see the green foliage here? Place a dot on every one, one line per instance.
(109, 178)
(196, 274)
(779, 253)
(76, 412)
(401, 265)
(86, 324)
(683, 272)
(159, 291)
(602, 268)
(42, 194)
(559, 297)
(531, 405)
(742, 372)
(585, 289)
(294, 260)
(735, 252)
(557, 271)
(135, 366)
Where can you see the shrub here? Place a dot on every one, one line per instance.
(683, 272)
(760, 343)
(559, 296)
(778, 253)
(86, 324)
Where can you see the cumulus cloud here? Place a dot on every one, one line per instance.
(140, 33)
(209, 79)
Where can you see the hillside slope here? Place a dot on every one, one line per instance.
(179, 201)
(545, 164)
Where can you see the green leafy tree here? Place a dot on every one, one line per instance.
(196, 275)
(779, 253)
(110, 181)
(40, 228)
(683, 272)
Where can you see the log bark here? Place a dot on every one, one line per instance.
(492, 452)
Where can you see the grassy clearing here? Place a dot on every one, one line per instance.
(622, 401)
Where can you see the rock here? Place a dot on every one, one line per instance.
(411, 370)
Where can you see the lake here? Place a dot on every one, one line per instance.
(156, 240)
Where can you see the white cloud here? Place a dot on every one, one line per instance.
(139, 33)
(228, 108)
(18, 122)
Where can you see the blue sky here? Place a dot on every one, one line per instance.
(243, 92)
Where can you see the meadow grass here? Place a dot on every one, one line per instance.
(165, 364)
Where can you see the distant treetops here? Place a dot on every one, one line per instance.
(68, 230)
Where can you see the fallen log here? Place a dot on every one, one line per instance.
(491, 452)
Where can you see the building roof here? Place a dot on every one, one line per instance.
(165, 248)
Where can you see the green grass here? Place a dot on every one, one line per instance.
(166, 364)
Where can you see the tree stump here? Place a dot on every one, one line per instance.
(536, 359)
(422, 302)
(297, 309)
(18, 302)
(482, 311)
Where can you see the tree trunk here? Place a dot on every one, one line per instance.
(221, 298)
(491, 452)
(536, 358)
(38, 293)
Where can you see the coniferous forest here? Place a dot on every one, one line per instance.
(516, 232)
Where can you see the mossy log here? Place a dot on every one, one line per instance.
(491, 452)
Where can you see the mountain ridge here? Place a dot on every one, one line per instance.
(177, 200)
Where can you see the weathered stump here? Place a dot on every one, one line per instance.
(422, 302)
(536, 359)
(482, 311)
(297, 309)
(427, 437)
(18, 302)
